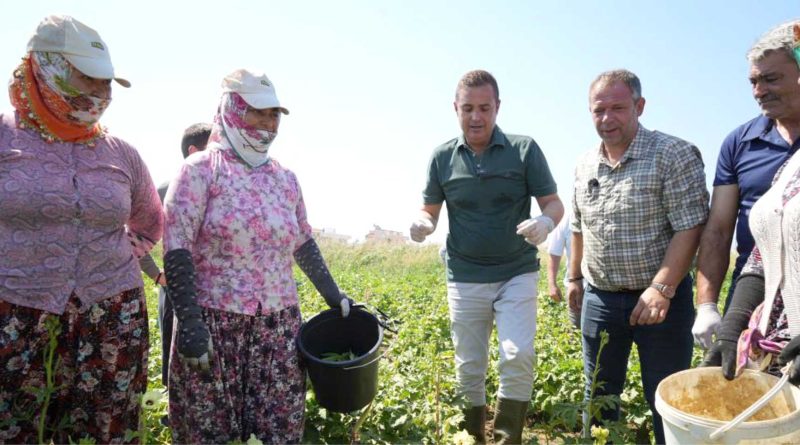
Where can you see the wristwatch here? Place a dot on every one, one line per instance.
(665, 290)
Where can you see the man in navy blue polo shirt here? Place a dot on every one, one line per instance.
(487, 178)
(748, 160)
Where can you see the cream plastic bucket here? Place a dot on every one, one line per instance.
(688, 401)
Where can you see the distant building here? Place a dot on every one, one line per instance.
(330, 235)
(378, 235)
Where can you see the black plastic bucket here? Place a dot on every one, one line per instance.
(342, 386)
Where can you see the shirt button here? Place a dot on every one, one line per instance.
(76, 222)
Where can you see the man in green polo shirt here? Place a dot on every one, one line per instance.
(487, 179)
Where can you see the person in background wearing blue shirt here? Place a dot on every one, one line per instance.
(747, 162)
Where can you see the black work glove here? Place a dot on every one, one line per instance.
(722, 353)
(309, 259)
(749, 293)
(789, 353)
(193, 339)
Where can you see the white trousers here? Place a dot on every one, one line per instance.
(512, 306)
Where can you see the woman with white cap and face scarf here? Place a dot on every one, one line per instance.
(77, 207)
(235, 219)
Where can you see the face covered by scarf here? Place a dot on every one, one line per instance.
(231, 131)
(41, 92)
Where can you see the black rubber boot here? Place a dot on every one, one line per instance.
(509, 419)
(475, 423)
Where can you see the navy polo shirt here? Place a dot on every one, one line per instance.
(750, 156)
(487, 195)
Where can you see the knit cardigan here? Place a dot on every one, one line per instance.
(776, 230)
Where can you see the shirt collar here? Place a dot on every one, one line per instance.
(761, 126)
(636, 149)
(498, 139)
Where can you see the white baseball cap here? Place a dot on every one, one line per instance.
(78, 43)
(254, 87)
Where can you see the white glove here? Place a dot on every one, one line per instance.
(420, 229)
(535, 230)
(706, 324)
(345, 305)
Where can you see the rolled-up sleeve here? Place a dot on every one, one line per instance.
(685, 193)
(433, 192)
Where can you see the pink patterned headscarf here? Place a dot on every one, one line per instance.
(231, 131)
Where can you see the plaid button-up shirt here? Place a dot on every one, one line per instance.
(628, 213)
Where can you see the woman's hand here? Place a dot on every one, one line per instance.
(194, 343)
(193, 340)
(791, 353)
(345, 305)
(722, 353)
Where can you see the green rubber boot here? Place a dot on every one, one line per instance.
(475, 423)
(509, 419)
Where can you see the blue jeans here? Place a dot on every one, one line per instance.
(165, 314)
(664, 348)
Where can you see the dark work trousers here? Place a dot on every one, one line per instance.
(165, 315)
(664, 348)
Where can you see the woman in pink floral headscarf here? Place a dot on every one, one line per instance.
(235, 220)
(77, 207)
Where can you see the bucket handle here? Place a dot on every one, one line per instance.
(384, 320)
(388, 324)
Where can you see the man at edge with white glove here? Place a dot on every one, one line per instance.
(487, 178)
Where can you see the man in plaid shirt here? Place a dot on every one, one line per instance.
(640, 202)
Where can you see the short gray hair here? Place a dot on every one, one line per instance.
(619, 75)
(478, 78)
(779, 38)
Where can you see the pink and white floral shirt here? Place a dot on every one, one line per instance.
(242, 226)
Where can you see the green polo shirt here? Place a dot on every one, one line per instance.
(486, 197)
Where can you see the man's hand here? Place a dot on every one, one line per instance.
(420, 229)
(535, 230)
(789, 353)
(575, 295)
(651, 309)
(722, 353)
(706, 324)
(554, 291)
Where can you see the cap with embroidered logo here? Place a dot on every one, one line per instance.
(78, 43)
(254, 87)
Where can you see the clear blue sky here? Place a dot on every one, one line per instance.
(370, 84)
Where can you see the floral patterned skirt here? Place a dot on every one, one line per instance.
(98, 366)
(256, 384)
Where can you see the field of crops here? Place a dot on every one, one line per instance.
(416, 401)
